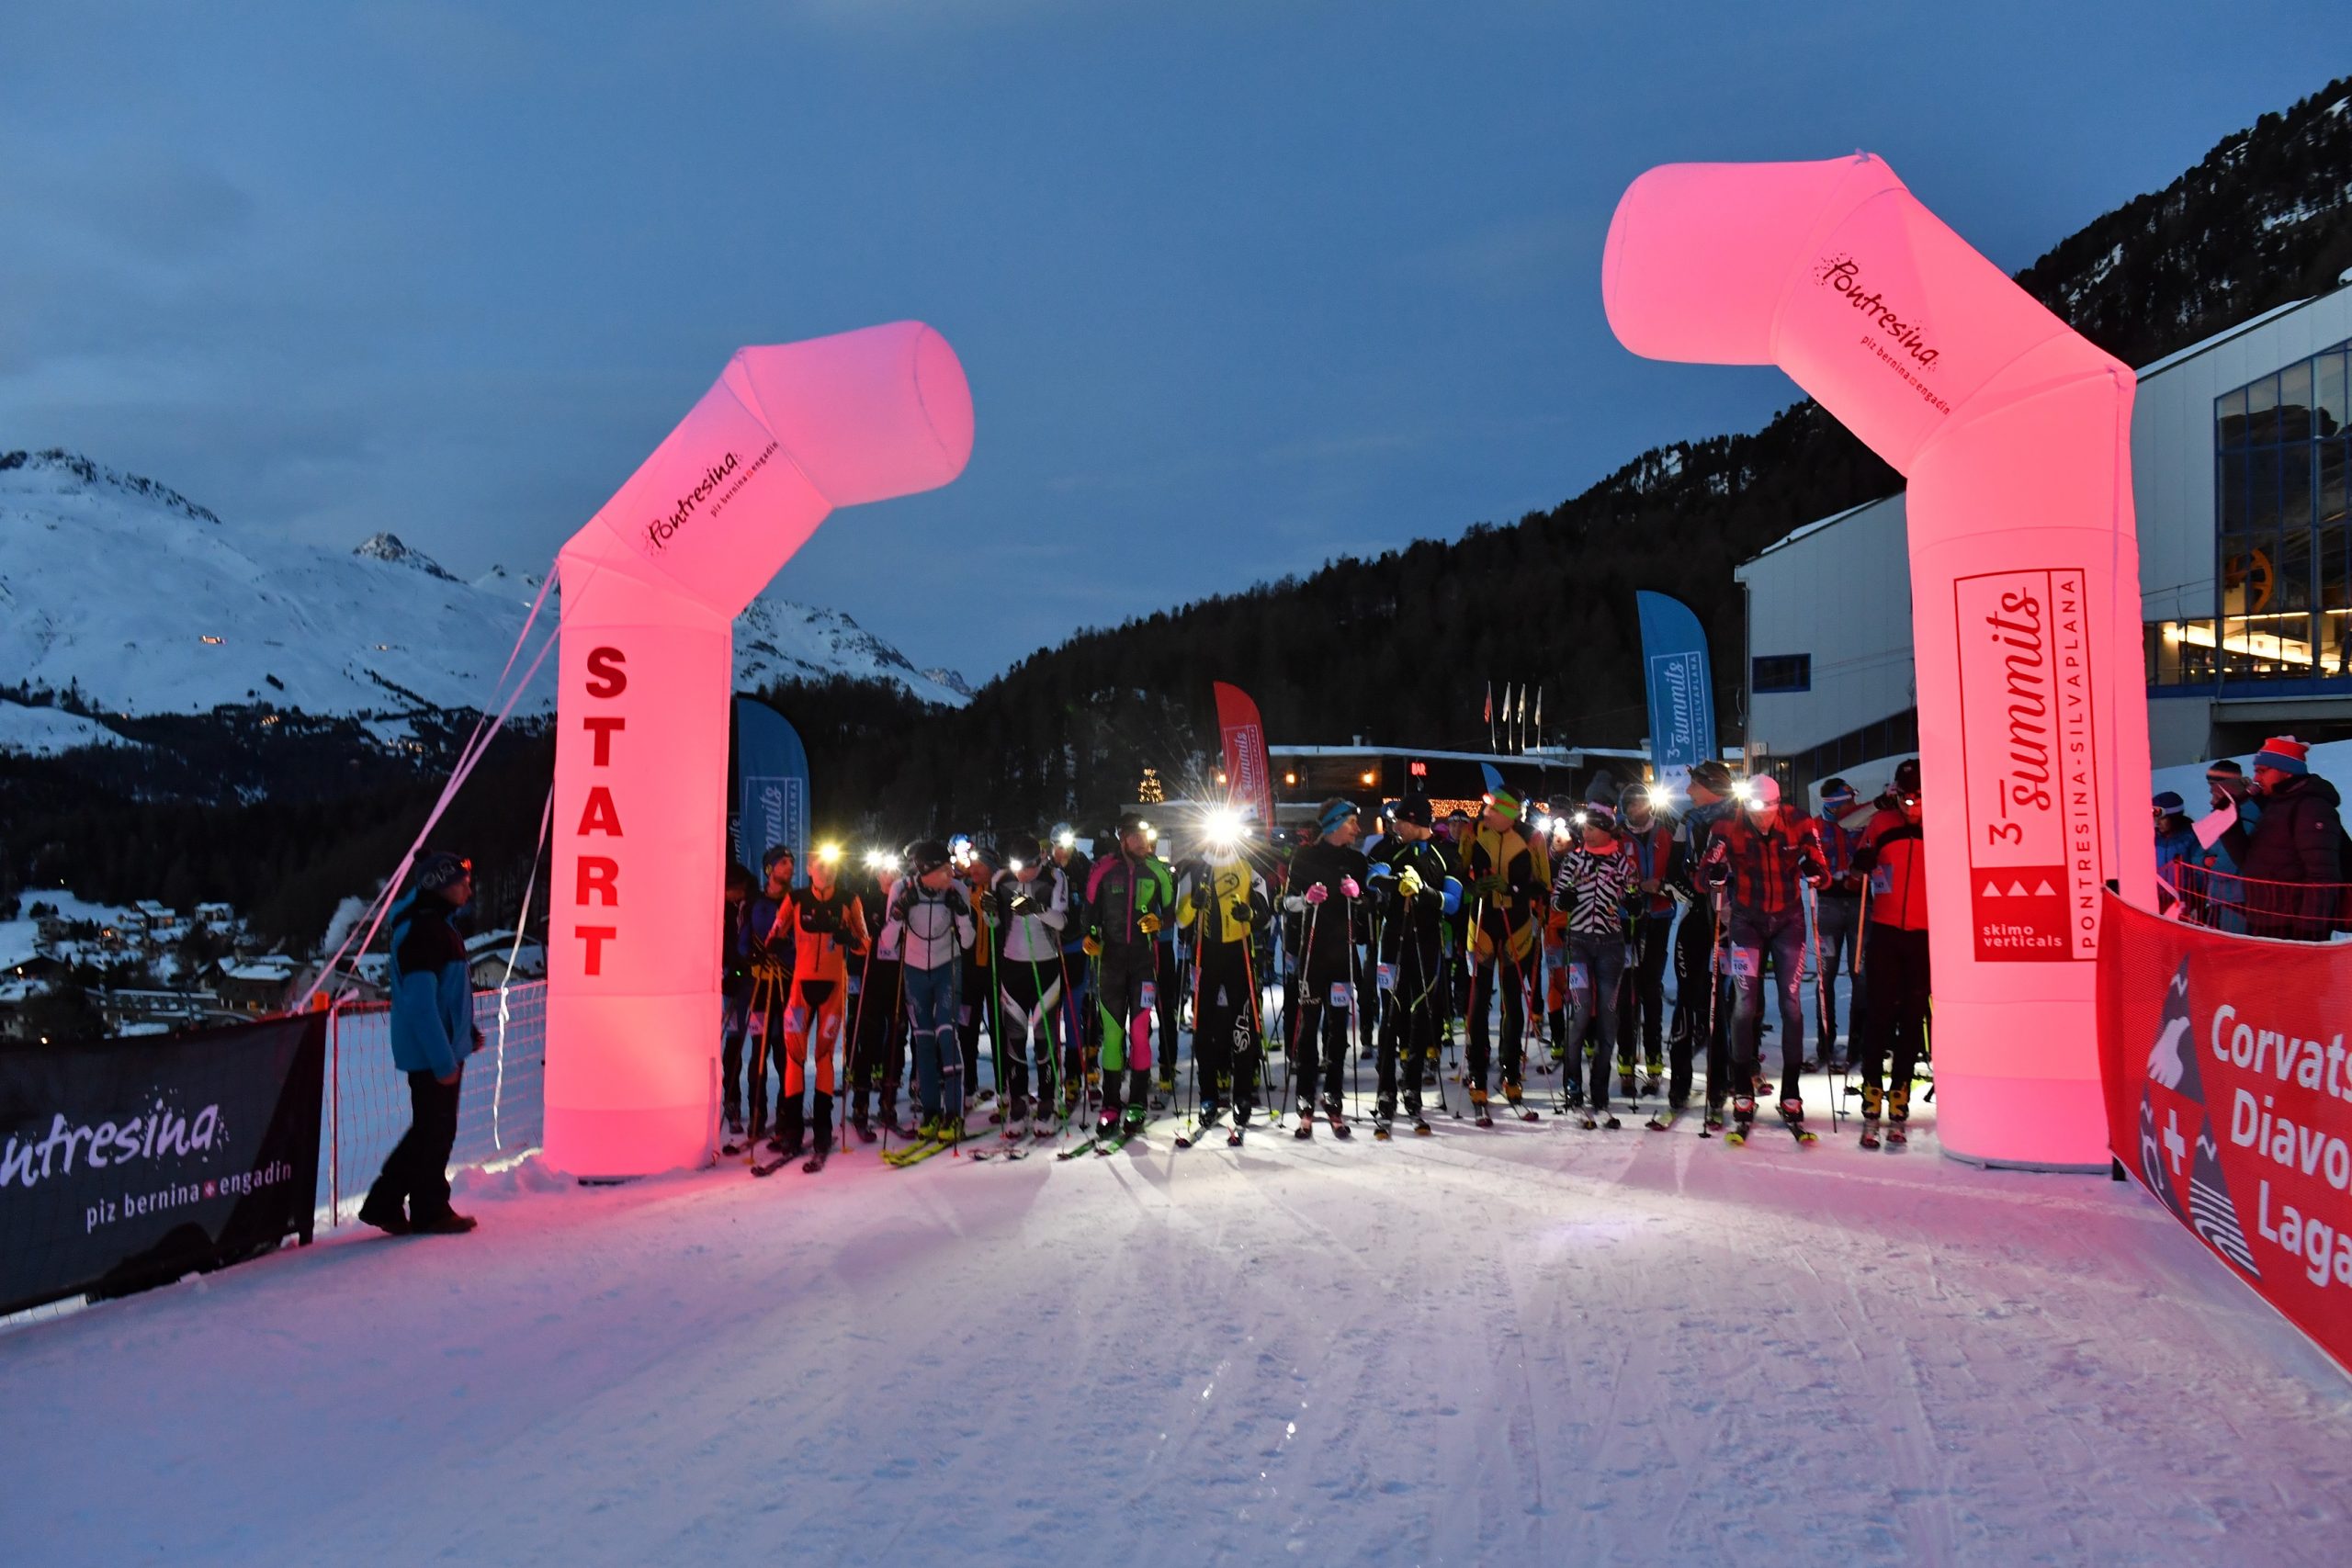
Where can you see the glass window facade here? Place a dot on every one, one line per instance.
(2283, 542)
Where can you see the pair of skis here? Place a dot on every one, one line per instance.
(810, 1167)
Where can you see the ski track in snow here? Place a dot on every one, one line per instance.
(1533, 1344)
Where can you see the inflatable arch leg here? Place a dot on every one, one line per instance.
(651, 587)
(2014, 434)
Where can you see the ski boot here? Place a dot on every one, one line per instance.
(1132, 1123)
(1712, 1122)
(1306, 1128)
(1793, 1118)
(1011, 1119)
(1873, 1098)
(1899, 1115)
(1742, 1118)
(1575, 1094)
(1337, 1116)
(1655, 1070)
(1518, 1106)
(1478, 1105)
(1625, 1083)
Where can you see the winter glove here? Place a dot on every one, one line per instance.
(1294, 905)
(1091, 947)
(1022, 904)
(1812, 870)
(1148, 925)
(1488, 886)
(1242, 916)
(1716, 872)
(1316, 894)
(1865, 860)
(1349, 887)
(1410, 883)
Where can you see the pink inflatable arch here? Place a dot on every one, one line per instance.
(651, 587)
(2015, 434)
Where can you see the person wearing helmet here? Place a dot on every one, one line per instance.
(1079, 1018)
(1596, 875)
(1416, 890)
(1504, 887)
(1837, 918)
(1224, 905)
(1893, 856)
(828, 927)
(1127, 900)
(1326, 892)
(878, 1024)
(1031, 899)
(433, 1033)
(975, 873)
(1700, 1012)
(1759, 855)
(935, 917)
(1641, 1008)
(1167, 964)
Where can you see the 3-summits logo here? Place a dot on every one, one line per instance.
(658, 532)
(1844, 275)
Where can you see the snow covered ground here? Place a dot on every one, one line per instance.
(1529, 1344)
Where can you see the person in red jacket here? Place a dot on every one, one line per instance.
(1896, 859)
(1762, 854)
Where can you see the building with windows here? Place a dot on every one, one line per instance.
(2241, 447)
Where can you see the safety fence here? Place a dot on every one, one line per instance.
(366, 1109)
(2244, 906)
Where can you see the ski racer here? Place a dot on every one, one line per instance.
(828, 926)
(1760, 854)
(1596, 876)
(1128, 899)
(1031, 906)
(1504, 888)
(1895, 858)
(1641, 1008)
(1414, 881)
(1326, 892)
(1224, 905)
(935, 918)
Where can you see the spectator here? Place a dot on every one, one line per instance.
(433, 1033)
(2218, 897)
(2176, 844)
(735, 994)
(2293, 868)
(1837, 915)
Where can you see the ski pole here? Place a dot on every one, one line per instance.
(1821, 994)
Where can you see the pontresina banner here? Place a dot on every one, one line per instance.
(1681, 688)
(771, 787)
(1249, 776)
(2229, 1095)
(128, 1163)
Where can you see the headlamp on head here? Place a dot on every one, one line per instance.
(1222, 827)
(829, 854)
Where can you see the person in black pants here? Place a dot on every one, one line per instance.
(433, 1033)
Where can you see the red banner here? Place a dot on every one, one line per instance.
(2230, 1096)
(1248, 778)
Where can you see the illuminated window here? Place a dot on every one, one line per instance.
(2282, 538)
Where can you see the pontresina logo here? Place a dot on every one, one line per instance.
(1842, 274)
(161, 1134)
(658, 533)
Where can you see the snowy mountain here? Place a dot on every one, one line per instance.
(140, 601)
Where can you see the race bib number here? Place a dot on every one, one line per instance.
(1341, 993)
(1743, 963)
(1579, 978)
(1881, 879)
(1150, 996)
(1388, 976)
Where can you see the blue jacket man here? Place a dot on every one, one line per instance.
(433, 1033)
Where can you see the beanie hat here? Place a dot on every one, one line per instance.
(1907, 776)
(2285, 753)
(1599, 813)
(1632, 794)
(775, 853)
(1415, 811)
(1764, 790)
(2227, 768)
(1836, 791)
(1505, 804)
(1020, 846)
(2169, 801)
(927, 855)
(440, 869)
(1334, 812)
(1712, 775)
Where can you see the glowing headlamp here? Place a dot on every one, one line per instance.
(829, 854)
(1066, 840)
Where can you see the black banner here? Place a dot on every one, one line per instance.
(125, 1164)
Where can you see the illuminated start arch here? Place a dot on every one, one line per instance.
(2014, 434)
(651, 587)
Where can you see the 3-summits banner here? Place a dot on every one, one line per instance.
(128, 1163)
(2229, 1094)
(1682, 691)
